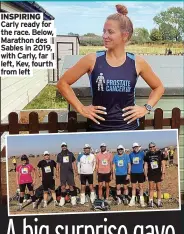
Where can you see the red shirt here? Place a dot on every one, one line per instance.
(104, 161)
(25, 173)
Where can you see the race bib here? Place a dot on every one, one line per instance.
(120, 163)
(136, 160)
(104, 162)
(88, 160)
(66, 159)
(154, 165)
(47, 169)
(24, 170)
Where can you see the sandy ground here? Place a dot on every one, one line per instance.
(170, 185)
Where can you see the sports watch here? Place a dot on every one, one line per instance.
(149, 108)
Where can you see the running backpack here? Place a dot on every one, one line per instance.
(39, 192)
(100, 205)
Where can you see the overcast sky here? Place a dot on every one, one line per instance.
(37, 144)
(84, 17)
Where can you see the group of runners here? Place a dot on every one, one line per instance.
(135, 168)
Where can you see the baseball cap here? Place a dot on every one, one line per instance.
(103, 145)
(46, 153)
(63, 143)
(87, 146)
(120, 147)
(24, 157)
(135, 145)
(152, 143)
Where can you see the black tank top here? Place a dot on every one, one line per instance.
(113, 88)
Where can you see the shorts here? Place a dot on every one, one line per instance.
(67, 178)
(155, 177)
(104, 177)
(48, 184)
(86, 177)
(137, 177)
(121, 179)
(23, 187)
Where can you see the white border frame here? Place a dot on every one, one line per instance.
(94, 212)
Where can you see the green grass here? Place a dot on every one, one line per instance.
(47, 99)
(137, 49)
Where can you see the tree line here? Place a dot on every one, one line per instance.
(170, 28)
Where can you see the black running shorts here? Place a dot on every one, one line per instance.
(86, 178)
(137, 177)
(23, 187)
(104, 177)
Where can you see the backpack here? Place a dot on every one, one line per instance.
(39, 192)
(100, 205)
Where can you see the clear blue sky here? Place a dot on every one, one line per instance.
(37, 144)
(84, 17)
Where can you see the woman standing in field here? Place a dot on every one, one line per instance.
(113, 75)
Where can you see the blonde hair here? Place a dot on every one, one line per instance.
(124, 21)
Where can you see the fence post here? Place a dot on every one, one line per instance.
(175, 121)
(13, 123)
(53, 122)
(33, 123)
(72, 121)
(158, 119)
(142, 123)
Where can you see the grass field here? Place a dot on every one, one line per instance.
(47, 99)
(138, 49)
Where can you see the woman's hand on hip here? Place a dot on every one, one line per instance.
(134, 112)
(91, 112)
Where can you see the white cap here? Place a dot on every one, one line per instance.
(103, 144)
(135, 145)
(87, 146)
(46, 153)
(63, 143)
(120, 147)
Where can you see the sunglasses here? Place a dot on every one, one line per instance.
(152, 147)
(120, 149)
(64, 146)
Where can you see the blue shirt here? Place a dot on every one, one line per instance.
(137, 162)
(121, 164)
(113, 88)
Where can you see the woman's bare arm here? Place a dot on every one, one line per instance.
(83, 66)
(146, 72)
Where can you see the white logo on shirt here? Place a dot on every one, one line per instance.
(66, 159)
(24, 170)
(47, 169)
(100, 80)
(104, 162)
(154, 165)
(120, 163)
(136, 160)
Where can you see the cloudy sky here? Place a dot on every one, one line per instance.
(37, 144)
(83, 17)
